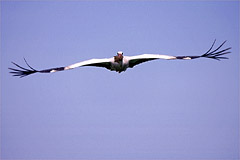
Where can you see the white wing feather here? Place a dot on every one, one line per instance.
(89, 62)
(150, 56)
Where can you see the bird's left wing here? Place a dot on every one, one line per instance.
(135, 60)
(22, 72)
(215, 54)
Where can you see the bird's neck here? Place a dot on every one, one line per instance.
(118, 58)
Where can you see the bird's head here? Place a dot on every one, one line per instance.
(119, 53)
(119, 56)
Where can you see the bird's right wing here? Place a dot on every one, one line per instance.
(22, 72)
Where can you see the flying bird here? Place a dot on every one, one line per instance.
(120, 63)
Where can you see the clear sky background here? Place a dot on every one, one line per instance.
(158, 110)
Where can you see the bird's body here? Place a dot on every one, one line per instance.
(119, 66)
(120, 63)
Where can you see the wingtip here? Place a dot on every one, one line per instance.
(21, 71)
(216, 54)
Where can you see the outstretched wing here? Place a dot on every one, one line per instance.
(135, 60)
(22, 72)
(215, 54)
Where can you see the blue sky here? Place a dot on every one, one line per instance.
(157, 110)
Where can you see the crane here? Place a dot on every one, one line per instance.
(120, 63)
